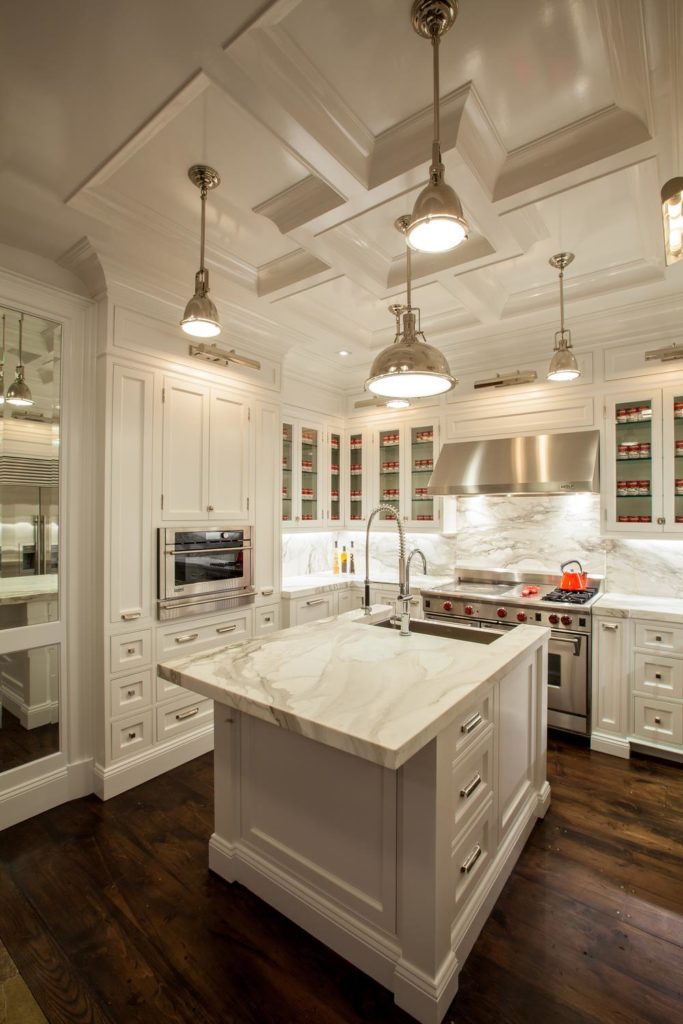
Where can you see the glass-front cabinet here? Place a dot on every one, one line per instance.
(334, 438)
(643, 464)
(405, 461)
(302, 466)
(359, 498)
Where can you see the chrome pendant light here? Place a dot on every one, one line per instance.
(409, 367)
(201, 316)
(2, 368)
(563, 365)
(437, 223)
(19, 393)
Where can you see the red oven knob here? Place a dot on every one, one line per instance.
(521, 616)
(566, 620)
(469, 610)
(502, 613)
(553, 619)
(448, 606)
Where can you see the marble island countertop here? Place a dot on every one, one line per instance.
(367, 691)
(319, 583)
(18, 589)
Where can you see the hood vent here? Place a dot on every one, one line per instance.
(546, 464)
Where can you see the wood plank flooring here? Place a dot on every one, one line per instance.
(111, 916)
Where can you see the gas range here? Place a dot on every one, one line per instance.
(509, 598)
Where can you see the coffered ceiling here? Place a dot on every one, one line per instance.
(560, 121)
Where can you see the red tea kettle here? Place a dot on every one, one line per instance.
(573, 580)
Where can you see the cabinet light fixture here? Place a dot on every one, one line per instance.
(213, 354)
(507, 380)
(201, 316)
(666, 355)
(437, 223)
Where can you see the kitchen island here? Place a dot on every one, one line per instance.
(377, 789)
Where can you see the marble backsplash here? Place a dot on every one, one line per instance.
(515, 532)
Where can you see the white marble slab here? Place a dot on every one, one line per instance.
(18, 589)
(361, 689)
(635, 606)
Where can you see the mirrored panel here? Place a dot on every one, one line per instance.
(29, 469)
(29, 705)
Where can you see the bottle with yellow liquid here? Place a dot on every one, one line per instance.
(335, 559)
(344, 559)
(352, 561)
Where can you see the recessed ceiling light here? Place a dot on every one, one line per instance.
(343, 352)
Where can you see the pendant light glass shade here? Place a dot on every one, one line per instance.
(200, 319)
(672, 216)
(563, 365)
(437, 223)
(19, 393)
(409, 367)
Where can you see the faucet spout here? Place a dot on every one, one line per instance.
(402, 574)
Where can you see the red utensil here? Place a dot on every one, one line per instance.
(529, 591)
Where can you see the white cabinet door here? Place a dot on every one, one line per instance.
(229, 457)
(631, 464)
(610, 683)
(130, 506)
(185, 459)
(267, 557)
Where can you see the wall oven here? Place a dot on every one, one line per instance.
(202, 571)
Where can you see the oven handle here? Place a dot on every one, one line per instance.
(205, 551)
(574, 641)
(216, 595)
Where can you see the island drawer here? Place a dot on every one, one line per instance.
(658, 677)
(666, 637)
(471, 781)
(130, 693)
(183, 716)
(471, 852)
(130, 651)
(657, 720)
(131, 735)
(470, 725)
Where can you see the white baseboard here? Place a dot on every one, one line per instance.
(33, 796)
(605, 743)
(133, 771)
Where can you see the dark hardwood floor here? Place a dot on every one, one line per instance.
(111, 915)
(19, 745)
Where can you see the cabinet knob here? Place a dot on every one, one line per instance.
(130, 693)
(209, 508)
(130, 650)
(658, 639)
(658, 675)
(661, 520)
(132, 735)
(658, 720)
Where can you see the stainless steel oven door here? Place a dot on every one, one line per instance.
(568, 673)
(192, 563)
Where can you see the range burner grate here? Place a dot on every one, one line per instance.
(571, 596)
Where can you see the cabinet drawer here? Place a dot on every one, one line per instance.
(132, 735)
(266, 620)
(658, 677)
(667, 637)
(471, 853)
(130, 693)
(471, 782)
(470, 725)
(130, 651)
(183, 716)
(657, 720)
(172, 642)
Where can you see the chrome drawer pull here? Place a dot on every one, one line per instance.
(187, 714)
(128, 616)
(469, 789)
(471, 860)
(186, 638)
(319, 600)
(610, 626)
(226, 629)
(471, 723)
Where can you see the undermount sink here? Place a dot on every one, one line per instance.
(472, 634)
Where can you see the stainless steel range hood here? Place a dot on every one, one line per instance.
(545, 464)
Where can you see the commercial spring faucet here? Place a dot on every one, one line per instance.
(403, 567)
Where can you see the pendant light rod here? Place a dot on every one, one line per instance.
(200, 319)
(560, 262)
(563, 365)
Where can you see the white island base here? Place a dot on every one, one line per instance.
(396, 869)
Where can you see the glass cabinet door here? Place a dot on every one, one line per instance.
(634, 495)
(357, 467)
(287, 472)
(335, 476)
(390, 471)
(673, 460)
(420, 505)
(309, 474)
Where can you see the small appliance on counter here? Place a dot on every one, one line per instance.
(204, 571)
